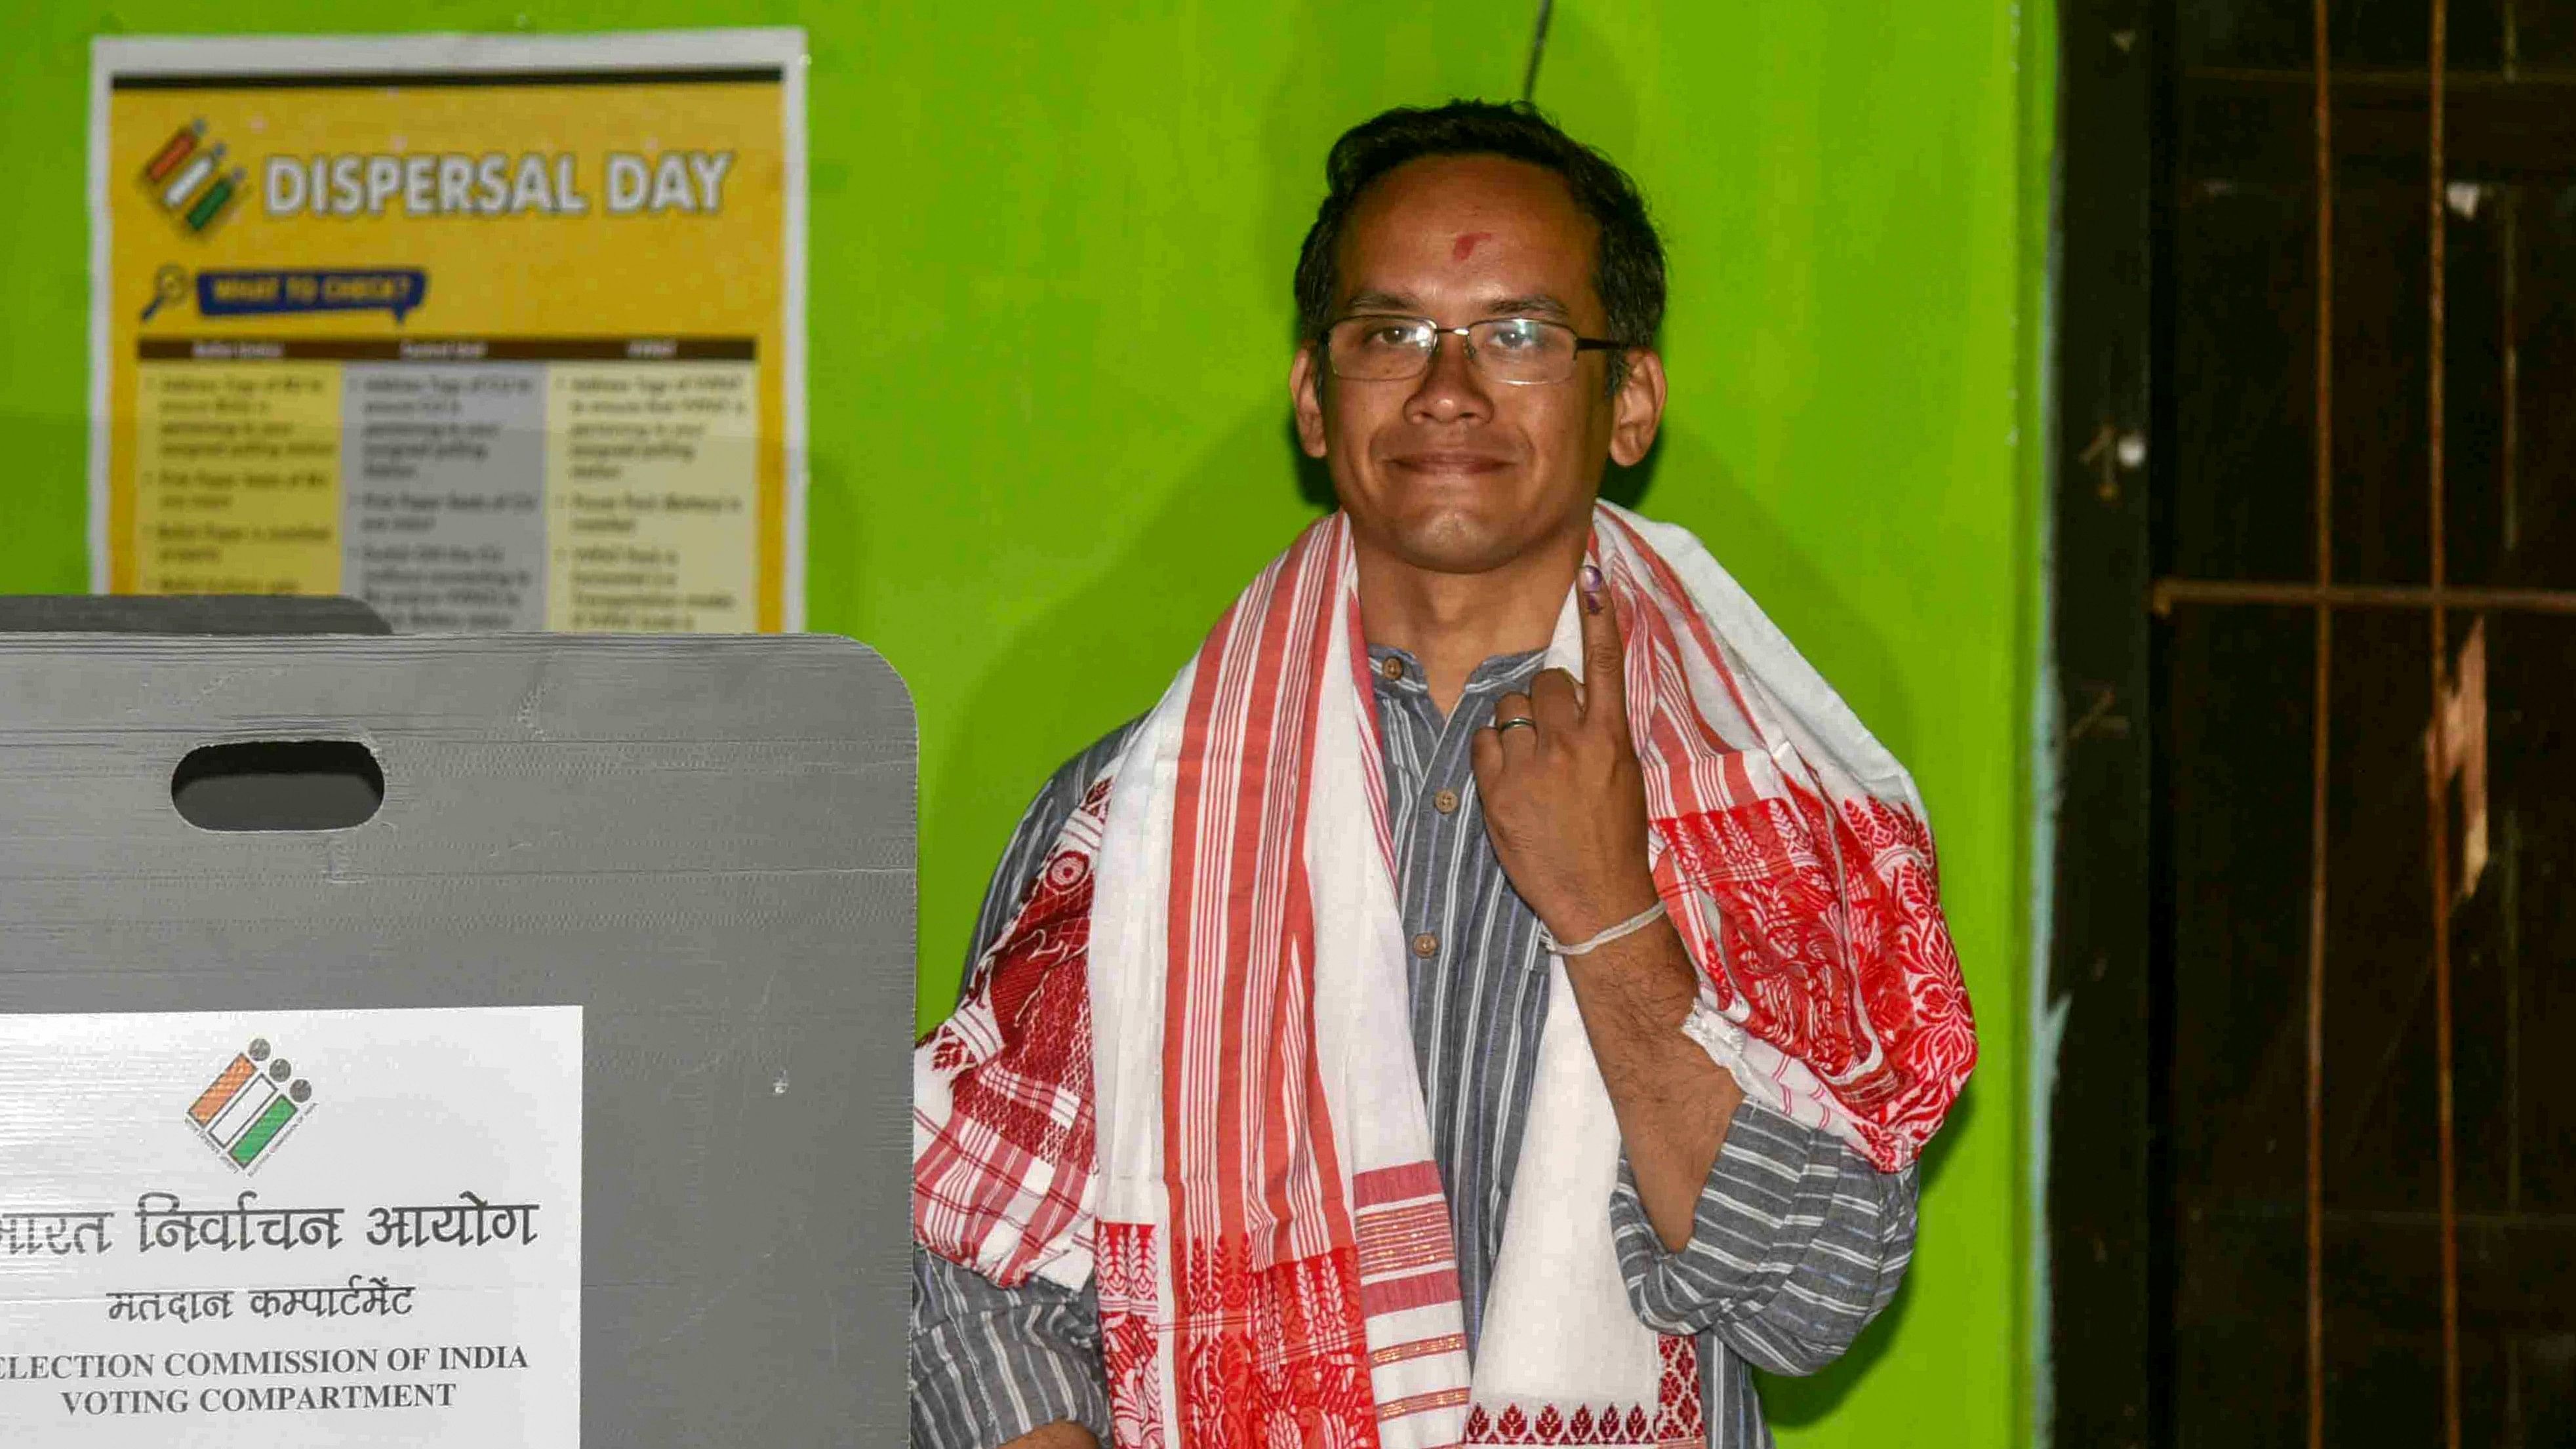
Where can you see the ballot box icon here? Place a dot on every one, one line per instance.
(246, 1111)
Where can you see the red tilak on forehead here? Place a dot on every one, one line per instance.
(1466, 244)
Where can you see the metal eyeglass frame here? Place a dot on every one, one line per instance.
(1582, 345)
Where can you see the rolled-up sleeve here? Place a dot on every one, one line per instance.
(1797, 1243)
(990, 1364)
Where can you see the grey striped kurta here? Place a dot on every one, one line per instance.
(1797, 1242)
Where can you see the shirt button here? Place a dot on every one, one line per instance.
(1426, 944)
(1392, 667)
(1446, 802)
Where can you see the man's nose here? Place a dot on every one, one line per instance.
(1450, 388)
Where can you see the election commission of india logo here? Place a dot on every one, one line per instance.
(246, 1111)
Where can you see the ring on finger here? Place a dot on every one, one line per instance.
(1517, 721)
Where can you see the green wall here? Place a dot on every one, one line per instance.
(1050, 321)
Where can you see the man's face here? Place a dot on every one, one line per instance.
(1451, 471)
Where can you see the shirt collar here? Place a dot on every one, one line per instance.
(1501, 669)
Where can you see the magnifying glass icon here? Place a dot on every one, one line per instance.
(170, 284)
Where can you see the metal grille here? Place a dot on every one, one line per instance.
(2312, 957)
(2367, 1370)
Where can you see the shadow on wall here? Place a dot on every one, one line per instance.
(1142, 616)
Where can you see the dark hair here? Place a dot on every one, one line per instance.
(1627, 265)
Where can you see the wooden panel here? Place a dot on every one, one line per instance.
(2104, 1230)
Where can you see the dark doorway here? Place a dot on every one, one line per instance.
(2313, 1142)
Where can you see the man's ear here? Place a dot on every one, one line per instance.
(1637, 409)
(1306, 395)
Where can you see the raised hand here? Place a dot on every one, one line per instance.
(1564, 801)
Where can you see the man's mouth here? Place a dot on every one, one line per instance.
(1450, 460)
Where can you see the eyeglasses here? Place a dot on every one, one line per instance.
(1521, 350)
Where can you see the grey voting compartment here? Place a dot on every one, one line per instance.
(705, 843)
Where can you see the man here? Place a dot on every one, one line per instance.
(1499, 993)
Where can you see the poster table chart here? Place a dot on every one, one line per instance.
(456, 483)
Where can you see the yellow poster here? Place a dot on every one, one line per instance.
(491, 333)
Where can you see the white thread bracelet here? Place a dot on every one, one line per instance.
(1628, 927)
